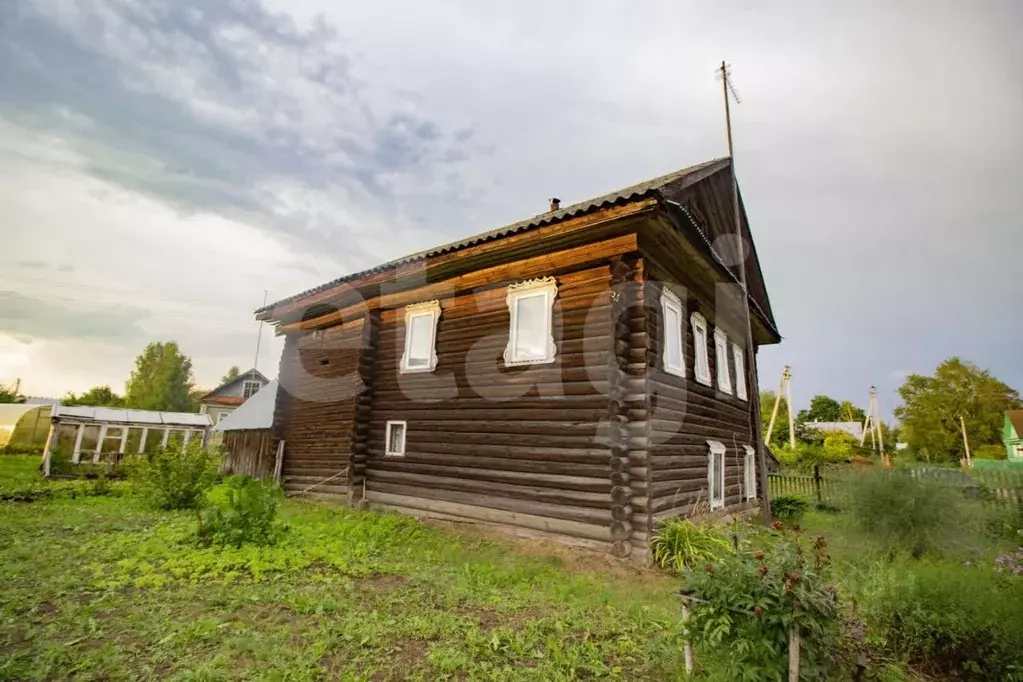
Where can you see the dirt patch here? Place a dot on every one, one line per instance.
(383, 582)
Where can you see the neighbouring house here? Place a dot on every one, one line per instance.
(245, 435)
(581, 374)
(225, 399)
(1012, 435)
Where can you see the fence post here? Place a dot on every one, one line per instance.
(687, 646)
(794, 654)
(817, 482)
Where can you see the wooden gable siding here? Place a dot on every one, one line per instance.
(684, 414)
(522, 447)
(248, 453)
(317, 403)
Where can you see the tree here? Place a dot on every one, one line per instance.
(9, 394)
(161, 380)
(932, 407)
(97, 396)
(851, 413)
(822, 409)
(231, 375)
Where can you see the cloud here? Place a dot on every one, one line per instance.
(25, 318)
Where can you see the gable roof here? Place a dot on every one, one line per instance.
(250, 375)
(255, 413)
(1016, 419)
(664, 188)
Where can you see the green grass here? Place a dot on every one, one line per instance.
(99, 587)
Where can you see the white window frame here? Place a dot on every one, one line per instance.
(669, 301)
(721, 361)
(250, 382)
(749, 470)
(387, 438)
(739, 360)
(716, 453)
(221, 416)
(701, 361)
(429, 309)
(546, 287)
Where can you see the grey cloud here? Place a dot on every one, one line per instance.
(26, 317)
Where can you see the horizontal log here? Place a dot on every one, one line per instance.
(489, 488)
(559, 481)
(535, 464)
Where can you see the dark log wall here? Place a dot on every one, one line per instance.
(248, 453)
(321, 380)
(524, 447)
(684, 414)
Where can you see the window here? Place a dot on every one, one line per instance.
(702, 362)
(420, 337)
(716, 475)
(250, 388)
(739, 359)
(750, 472)
(395, 446)
(531, 333)
(672, 355)
(721, 361)
(221, 416)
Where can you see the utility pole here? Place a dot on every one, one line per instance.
(966, 442)
(785, 389)
(751, 355)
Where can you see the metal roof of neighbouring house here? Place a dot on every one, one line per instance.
(255, 414)
(118, 415)
(1016, 419)
(854, 429)
(642, 190)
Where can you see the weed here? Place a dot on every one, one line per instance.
(680, 542)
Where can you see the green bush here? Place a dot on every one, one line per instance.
(678, 543)
(240, 510)
(21, 449)
(176, 477)
(959, 618)
(901, 510)
(789, 508)
(749, 601)
(990, 452)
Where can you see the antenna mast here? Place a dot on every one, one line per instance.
(259, 337)
(728, 88)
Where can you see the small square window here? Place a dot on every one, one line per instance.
(716, 474)
(750, 471)
(721, 361)
(739, 360)
(531, 329)
(701, 364)
(221, 416)
(250, 388)
(420, 337)
(673, 355)
(395, 446)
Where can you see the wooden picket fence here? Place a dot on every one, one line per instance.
(1006, 486)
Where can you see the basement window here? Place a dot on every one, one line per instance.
(716, 474)
(420, 337)
(672, 355)
(739, 360)
(750, 472)
(701, 365)
(531, 331)
(395, 446)
(721, 361)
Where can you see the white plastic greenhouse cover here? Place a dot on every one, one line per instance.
(101, 415)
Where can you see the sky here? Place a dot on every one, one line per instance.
(165, 162)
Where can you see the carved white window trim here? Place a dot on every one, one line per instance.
(670, 302)
(739, 360)
(721, 361)
(429, 309)
(701, 363)
(750, 472)
(716, 468)
(546, 287)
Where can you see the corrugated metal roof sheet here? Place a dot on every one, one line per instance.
(622, 196)
(134, 417)
(256, 413)
(854, 429)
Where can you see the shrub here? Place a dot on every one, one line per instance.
(839, 446)
(789, 508)
(680, 542)
(989, 452)
(750, 601)
(21, 449)
(240, 510)
(176, 477)
(959, 618)
(902, 510)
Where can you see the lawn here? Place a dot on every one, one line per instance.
(100, 587)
